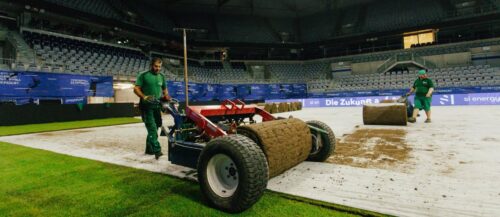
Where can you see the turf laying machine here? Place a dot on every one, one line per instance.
(234, 155)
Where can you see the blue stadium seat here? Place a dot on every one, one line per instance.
(85, 57)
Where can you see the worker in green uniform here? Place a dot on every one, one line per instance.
(423, 88)
(151, 86)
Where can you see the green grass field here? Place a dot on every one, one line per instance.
(41, 183)
(36, 128)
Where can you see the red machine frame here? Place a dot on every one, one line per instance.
(198, 114)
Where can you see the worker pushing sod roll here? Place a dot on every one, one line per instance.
(400, 111)
(423, 88)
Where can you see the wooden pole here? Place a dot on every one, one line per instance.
(185, 69)
(186, 81)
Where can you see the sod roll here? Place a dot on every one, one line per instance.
(285, 142)
(283, 107)
(268, 107)
(384, 114)
(388, 101)
(274, 108)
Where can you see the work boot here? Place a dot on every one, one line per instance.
(149, 150)
(158, 155)
(412, 120)
(428, 120)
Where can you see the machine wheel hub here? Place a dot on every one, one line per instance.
(222, 175)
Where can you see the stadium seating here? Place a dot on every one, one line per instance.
(236, 72)
(464, 76)
(24, 54)
(80, 56)
(214, 72)
(202, 74)
(320, 85)
(296, 72)
(59, 53)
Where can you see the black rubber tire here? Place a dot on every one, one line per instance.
(329, 142)
(252, 169)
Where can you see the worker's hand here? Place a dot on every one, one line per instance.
(167, 98)
(428, 95)
(408, 94)
(148, 98)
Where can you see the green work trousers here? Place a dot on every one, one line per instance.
(152, 119)
(422, 102)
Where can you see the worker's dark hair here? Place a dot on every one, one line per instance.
(156, 60)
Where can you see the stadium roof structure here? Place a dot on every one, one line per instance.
(301, 28)
(264, 8)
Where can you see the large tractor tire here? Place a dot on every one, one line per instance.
(322, 145)
(232, 172)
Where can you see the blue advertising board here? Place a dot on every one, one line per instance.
(220, 92)
(400, 92)
(24, 87)
(437, 100)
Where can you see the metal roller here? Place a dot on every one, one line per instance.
(285, 142)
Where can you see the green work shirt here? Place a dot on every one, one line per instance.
(151, 84)
(422, 86)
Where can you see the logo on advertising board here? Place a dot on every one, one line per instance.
(351, 101)
(79, 82)
(447, 100)
(313, 103)
(7, 78)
